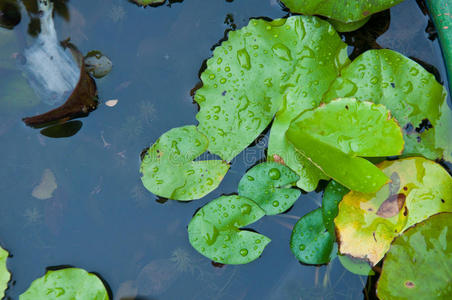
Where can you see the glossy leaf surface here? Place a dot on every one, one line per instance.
(169, 170)
(367, 223)
(419, 263)
(268, 184)
(334, 136)
(333, 194)
(345, 11)
(66, 284)
(317, 67)
(412, 94)
(311, 242)
(215, 231)
(248, 75)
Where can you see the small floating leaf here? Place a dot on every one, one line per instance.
(5, 276)
(348, 27)
(356, 266)
(344, 11)
(389, 78)
(419, 262)
(334, 137)
(311, 242)
(70, 283)
(365, 232)
(333, 194)
(169, 170)
(215, 231)
(268, 184)
(247, 77)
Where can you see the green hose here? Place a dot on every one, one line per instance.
(441, 13)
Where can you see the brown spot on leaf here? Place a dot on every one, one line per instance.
(278, 159)
(409, 284)
(366, 13)
(391, 206)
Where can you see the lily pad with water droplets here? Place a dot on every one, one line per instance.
(419, 263)
(66, 284)
(335, 136)
(5, 276)
(317, 66)
(169, 170)
(344, 11)
(333, 194)
(415, 99)
(269, 185)
(367, 223)
(311, 242)
(248, 75)
(215, 231)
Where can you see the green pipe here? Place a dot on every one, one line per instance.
(441, 13)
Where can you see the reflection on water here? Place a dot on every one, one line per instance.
(100, 217)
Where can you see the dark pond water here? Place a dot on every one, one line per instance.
(100, 218)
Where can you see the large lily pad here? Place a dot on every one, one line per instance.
(215, 231)
(334, 137)
(311, 242)
(66, 284)
(415, 99)
(316, 69)
(5, 276)
(268, 184)
(419, 263)
(344, 11)
(367, 223)
(247, 77)
(169, 170)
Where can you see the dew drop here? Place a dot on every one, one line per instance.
(244, 252)
(302, 247)
(244, 59)
(274, 174)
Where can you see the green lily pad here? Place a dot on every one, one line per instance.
(247, 77)
(389, 78)
(311, 242)
(169, 170)
(5, 276)
(356, 266)
(348, 27)
(334, 137)
(268, 184)
(367, 223)
(66, 284)
(333, 194)
(149, 2)
(344, 11)
(215, 231)
(316, 69)
(419, 263)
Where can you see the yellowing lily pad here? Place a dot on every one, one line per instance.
(5, 276)
(367, 223)
(412, 94)
(215, 231)
(269, 185)
(169, 170)
(247, 77)
(419, 263)
(66, 284)
(334, 137)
